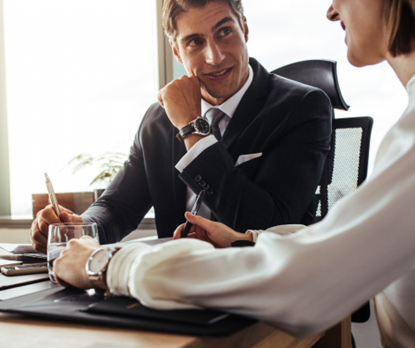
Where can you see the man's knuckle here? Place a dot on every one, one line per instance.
(72, 243)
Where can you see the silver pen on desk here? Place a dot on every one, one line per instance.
(52, 196)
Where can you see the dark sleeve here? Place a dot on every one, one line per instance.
(286, 175)
(125, 202)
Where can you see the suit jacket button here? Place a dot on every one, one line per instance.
(202, 183)
(209, 191)
(197, 178)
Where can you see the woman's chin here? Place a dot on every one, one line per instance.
(362, 59)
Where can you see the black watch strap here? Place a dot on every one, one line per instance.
(185, 131)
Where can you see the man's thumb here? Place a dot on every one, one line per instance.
(65, 217)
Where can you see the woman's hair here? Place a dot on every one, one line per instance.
(400, 15)
(174, 8)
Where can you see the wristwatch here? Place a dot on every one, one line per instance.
(97, 264)
(198, 126)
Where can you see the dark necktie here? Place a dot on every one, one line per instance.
(217, 116)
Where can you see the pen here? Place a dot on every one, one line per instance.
(195, 209)
(52, 196)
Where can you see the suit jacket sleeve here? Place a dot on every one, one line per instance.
(286, 175)
(126, 201)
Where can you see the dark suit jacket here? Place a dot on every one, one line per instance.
(290, 123)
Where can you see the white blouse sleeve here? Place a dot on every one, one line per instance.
(300, 282)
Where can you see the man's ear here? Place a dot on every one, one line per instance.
(176, 52)
(246, 30)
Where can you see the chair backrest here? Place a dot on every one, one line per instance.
(318, 73)
(346, 164)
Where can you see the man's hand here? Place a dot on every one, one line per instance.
(216, 233)
(69, 268)
(40, 226)
(181, 99)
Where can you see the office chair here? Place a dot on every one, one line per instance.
(346, 163)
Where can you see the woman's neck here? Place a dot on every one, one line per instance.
(403, 65)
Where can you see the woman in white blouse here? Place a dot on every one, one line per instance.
(306, 281)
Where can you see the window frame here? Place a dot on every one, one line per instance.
(164, 76)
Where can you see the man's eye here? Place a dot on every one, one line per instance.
(225, 31)
(195, 42)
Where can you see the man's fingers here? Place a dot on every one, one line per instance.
(66, 217)
(39, 238)
(65, 209)
(39, 248)
(48, 216)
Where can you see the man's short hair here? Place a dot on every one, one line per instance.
(172, 9)
(400, 17)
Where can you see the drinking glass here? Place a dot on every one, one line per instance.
(59, 236)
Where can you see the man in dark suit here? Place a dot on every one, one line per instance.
(262, 166)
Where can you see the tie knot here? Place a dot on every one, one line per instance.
(216, 116)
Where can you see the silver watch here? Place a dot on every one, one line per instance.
(98, 262)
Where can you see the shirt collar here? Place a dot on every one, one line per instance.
(229, 106)
(410, 86)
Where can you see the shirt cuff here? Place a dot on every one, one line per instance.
(195, 151)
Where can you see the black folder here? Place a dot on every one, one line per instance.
(81, 306)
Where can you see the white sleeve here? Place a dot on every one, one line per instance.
(302, 282)
(282, 230)
(195, 151)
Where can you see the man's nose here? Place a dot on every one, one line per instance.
(332, 15)
(214, 54)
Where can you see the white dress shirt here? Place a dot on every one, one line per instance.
(228, 107)
(306, 281)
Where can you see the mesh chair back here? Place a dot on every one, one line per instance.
(346, 164)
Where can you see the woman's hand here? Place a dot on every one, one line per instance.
(216, 233)
(69, 267)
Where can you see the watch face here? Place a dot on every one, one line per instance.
(99, 261)
(202, 126)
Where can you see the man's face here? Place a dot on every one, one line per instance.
(212, 46)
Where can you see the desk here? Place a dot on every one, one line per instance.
(22, 332)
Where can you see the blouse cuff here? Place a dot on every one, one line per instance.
(120, 265)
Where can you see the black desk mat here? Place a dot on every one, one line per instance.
(70, 304)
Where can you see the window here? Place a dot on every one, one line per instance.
(282, 32)
(80, 75)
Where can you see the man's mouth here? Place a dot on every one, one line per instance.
(218, 75)
(343, 26)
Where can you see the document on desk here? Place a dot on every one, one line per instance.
(14, 281)
(19, 252)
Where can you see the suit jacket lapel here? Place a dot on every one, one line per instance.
(178, 151)
(250, 105)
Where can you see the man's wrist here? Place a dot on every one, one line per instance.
(191, 140)
(199, 126)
